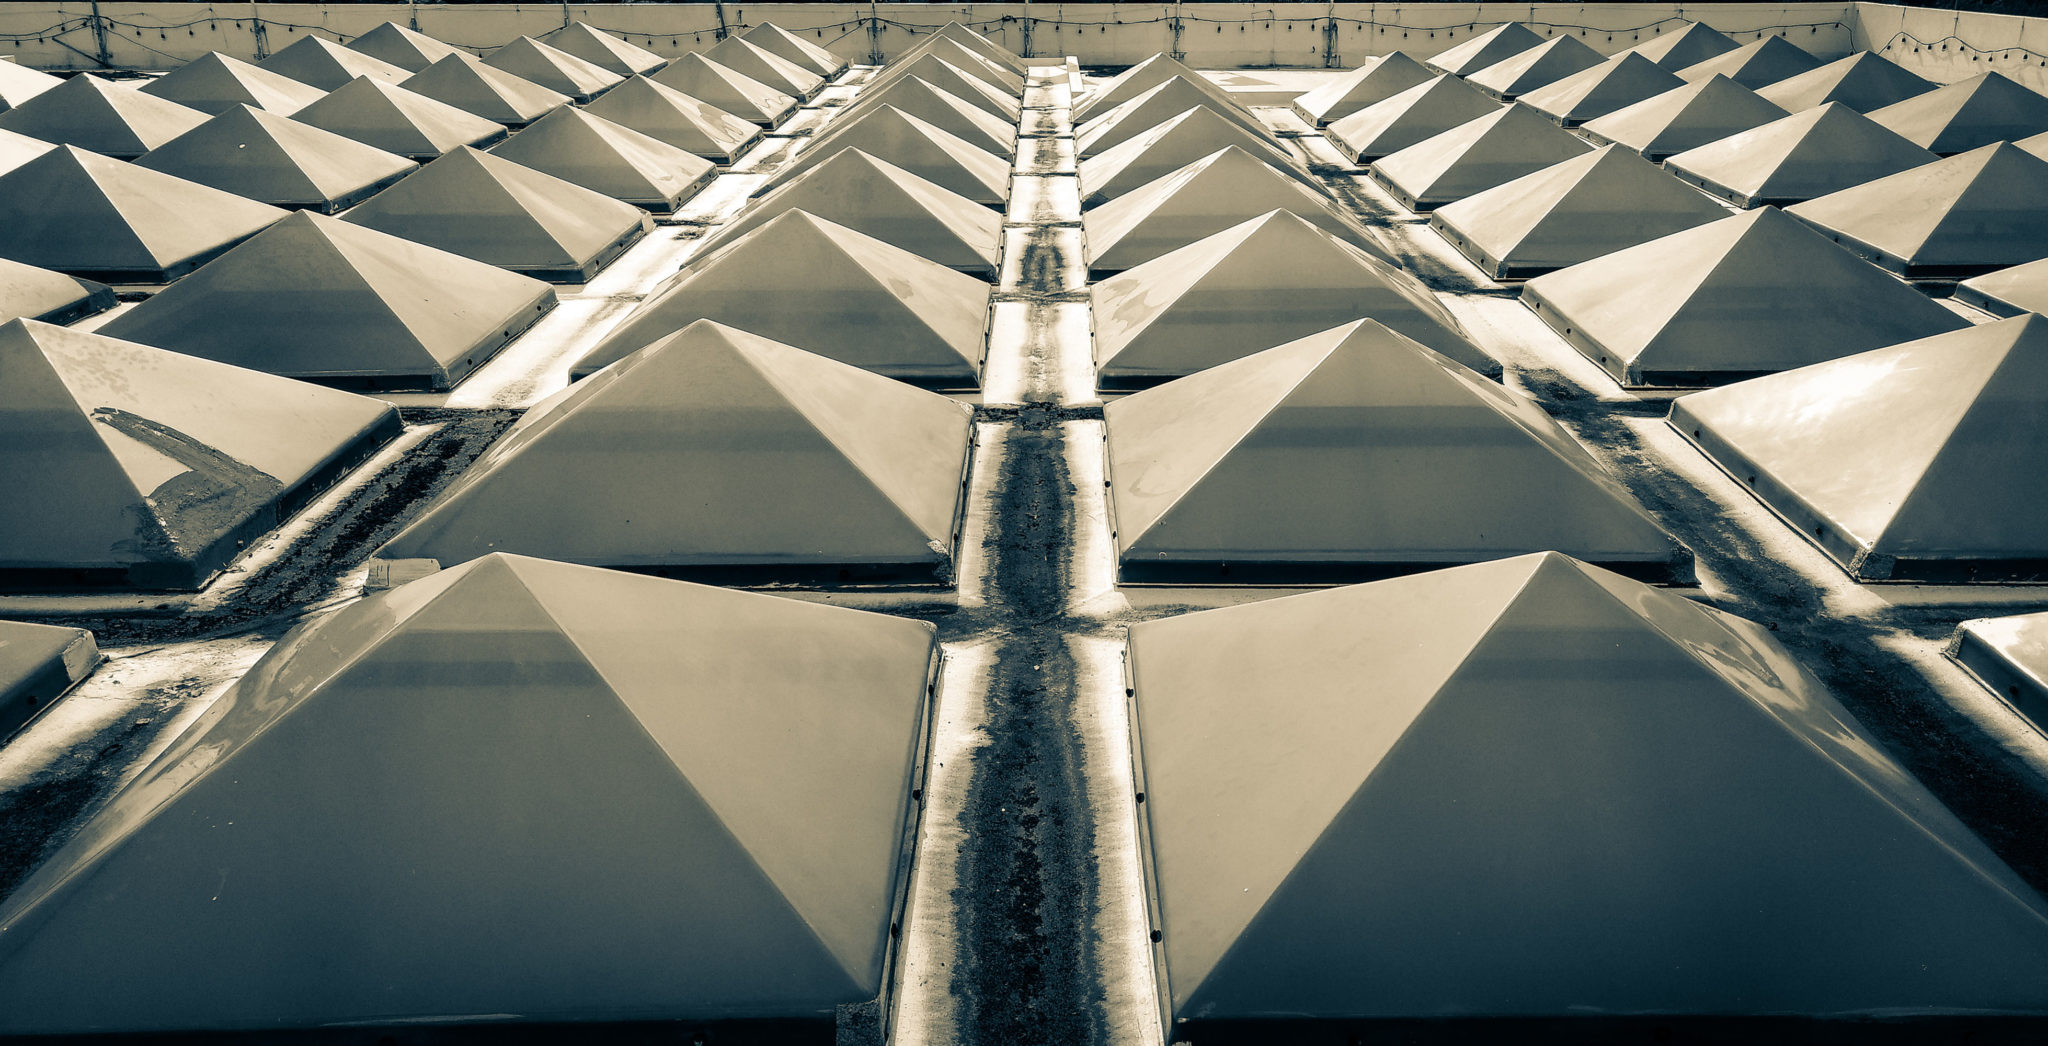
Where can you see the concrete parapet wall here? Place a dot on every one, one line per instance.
(1946, 46)
(155, 36)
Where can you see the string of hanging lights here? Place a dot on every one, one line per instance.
(1901, 42)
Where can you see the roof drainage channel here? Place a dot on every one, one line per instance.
(1027, 918)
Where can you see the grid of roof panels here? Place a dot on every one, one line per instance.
(1478, 486)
